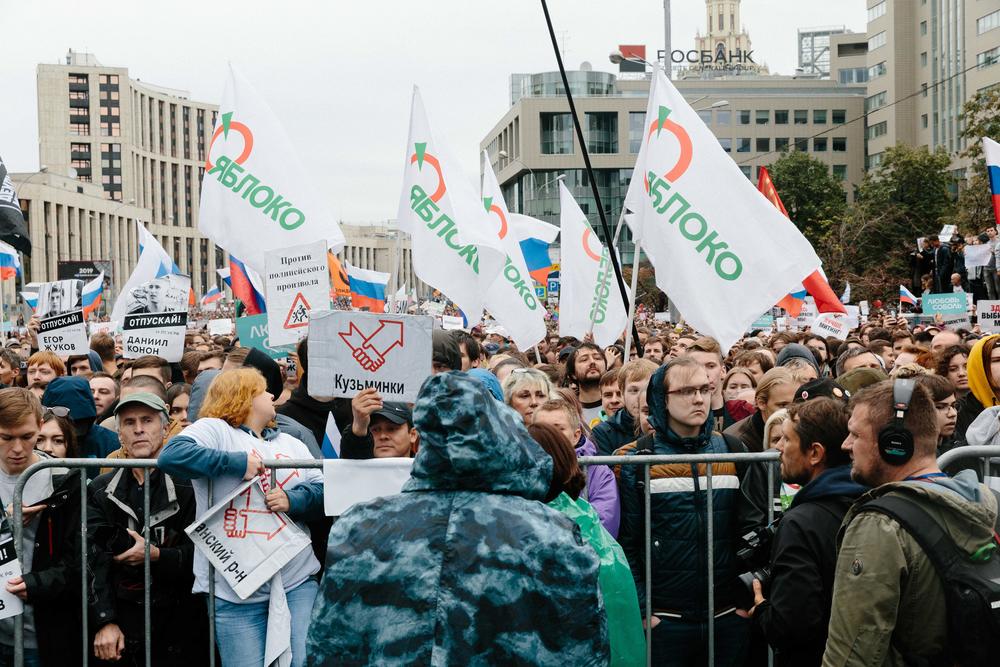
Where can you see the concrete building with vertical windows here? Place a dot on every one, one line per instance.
(814, 50)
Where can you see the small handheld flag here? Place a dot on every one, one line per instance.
(10, 263)
(906, 296)
(211, 296)
(91, 297)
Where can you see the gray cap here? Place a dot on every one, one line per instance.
(142, 398)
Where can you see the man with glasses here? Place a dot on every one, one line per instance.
(680, 412)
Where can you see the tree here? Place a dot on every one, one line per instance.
(981, 118)
(811, 195)
(915, 183)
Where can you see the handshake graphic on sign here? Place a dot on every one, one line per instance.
(370, 351)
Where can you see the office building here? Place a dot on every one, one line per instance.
(814, 50)
(380, 247)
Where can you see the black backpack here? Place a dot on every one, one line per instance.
(971, 587)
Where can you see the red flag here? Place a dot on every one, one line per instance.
(766, 187)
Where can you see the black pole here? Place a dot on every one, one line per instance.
(612, 253)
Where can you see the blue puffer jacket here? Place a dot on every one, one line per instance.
(466, 566)
(679, 530)
(616, 431)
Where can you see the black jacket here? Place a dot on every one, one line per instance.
(617, 431)
(54, 581)
(312, 413)
(749, 431)
(796, 611)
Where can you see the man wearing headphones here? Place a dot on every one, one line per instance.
(888, 600)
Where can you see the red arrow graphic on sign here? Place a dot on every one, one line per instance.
(370, 351)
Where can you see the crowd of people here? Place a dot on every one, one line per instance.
(502, 548)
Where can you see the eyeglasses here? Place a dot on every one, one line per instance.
(55, 410)
(689, 392)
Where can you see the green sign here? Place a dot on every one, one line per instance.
(252, 332)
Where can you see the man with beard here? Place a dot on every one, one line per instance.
(584, 367)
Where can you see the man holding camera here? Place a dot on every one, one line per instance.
(794, 616)
(116, 550)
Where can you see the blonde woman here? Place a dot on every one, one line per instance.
(525, 389)
(772, 434)
(234, 433)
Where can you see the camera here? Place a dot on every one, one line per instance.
(755, 552)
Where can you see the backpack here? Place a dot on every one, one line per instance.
(971, 587)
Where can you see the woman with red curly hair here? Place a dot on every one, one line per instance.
(235, 431)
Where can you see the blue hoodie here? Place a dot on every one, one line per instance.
(74, 393)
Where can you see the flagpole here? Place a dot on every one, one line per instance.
(586, 159)
(631, 306)
(397, 252)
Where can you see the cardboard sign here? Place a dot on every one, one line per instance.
(864, 308)
(853, 317)
(157, 318)
(10, 567)
(298, 280)
(433, 308)
(110, 328)
(830, 324)
(252, 331)
(350, 351)
(64, 334)
(806, 315)
(223, 327)
(347, 482)
(450, 322)
(950, 309)
(246, 542)
(946, 232)
(988, 316)
(978, 255)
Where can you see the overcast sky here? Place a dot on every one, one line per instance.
(339, 74)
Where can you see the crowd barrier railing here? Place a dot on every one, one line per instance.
(986, 453)
(82, 466)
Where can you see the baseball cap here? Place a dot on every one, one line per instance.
(397, 413)
(146, 398)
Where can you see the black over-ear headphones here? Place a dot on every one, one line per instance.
(895, 442)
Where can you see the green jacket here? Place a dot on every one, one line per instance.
(888, 602)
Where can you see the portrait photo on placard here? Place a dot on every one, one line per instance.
(58, 297)
(166, 294)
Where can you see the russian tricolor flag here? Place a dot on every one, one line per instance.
(211, 296)
(991, 150)
(534, 236)
(92, 292)
(224, 276)
(244, 288)
(367, 288)
(906, 296)
(331, 439)
(10, 263)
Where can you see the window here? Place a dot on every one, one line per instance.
(743, 145)
(923, 59)
(988, 22)
(840, 171)
(923, 121)
(744, 116)
(636, 120)
(923, 27)
(726, 143)
(988, 58)
(723, 117)
(602, 132)
(78, 79)
(75, 148)
(802, 144)
(839, 144)
(876, 11)
(801, 116)
(875, 41)
(853, 75)
(876, 101)
(745, 168)
(874, 160)
(877, 130)
(781, 144)
(556, 134)
(79, 112)
(706, 116)
(923, 90)
(819, 116)
(763, 116)
(781, 116)
(839, 116)
(80, 129)
(876, 70)
(819, 145)
(763, 144)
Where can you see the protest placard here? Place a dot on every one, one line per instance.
(830, 324)
(977, 255)
(253, 332)
(64, 334)
(348, 482)
(246, 542)
(350, 351)
(298, 280)
(949, 309)
(765, 321)
(806, 315)
(450, 322)
(110, 328)
(10, 567)
(433, 308)
(221, 327)
(853, 317)
(988, 316)
(157, 318)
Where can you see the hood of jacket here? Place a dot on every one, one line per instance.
(198, 391)
(471, 442)
(489, 381)
(71, 392)
(622, 421)
(269, 368)
(985, 429)
(978, 369)
(585, 446)
(663, 435)
(832, 482)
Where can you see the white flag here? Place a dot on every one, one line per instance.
(588, 292)
(721, 250)
(256, 196)
(153, 263)
(455, 245)
(846, 296)
(511, 298)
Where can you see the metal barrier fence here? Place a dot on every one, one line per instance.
(988, 453)
(769, 459)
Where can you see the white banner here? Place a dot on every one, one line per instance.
(159, 325)
(988, 316)
(64, 334)
(246, 542)
(350, 351)
(451, 322)
(830, 324)
(711, 235)
(220, 327)
(978, 255)
(298, 280)
(256, 196)
(347, 482)
(455, 245)
(807, 315)
(589, 298)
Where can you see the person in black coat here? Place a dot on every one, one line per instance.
(795, 613)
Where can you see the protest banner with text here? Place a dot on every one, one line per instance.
(298, 280)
